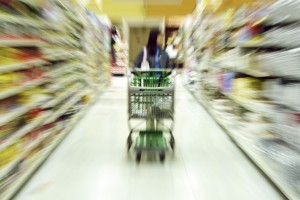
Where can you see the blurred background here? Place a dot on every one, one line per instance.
(239, 59)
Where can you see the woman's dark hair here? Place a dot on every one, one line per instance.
(152, 42)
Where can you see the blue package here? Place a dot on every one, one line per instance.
(227, 81)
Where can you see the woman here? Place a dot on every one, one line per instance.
(156, 57)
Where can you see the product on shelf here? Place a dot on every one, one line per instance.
(9, 154)
(9, 128)
(54, 56)
(243, 64)
(119, 54)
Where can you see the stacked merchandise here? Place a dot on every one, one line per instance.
(121, 49)
(42, 90)
(178, 42)
(187, 51)
(96, 44)
(121, 56)
(172, 47)
(248, 78)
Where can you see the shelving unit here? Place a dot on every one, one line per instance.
(41, 158)
(21, 65)
(22, 20)
(48, 85)
(21, 43)
(120, 59)
(248, 145)
(13, 91)
(247, 77)
(5, 118)
(24, 130)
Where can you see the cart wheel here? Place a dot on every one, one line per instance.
(129, 142)
(172, 144)
(138, 156)
(162, 156)
(172, 141)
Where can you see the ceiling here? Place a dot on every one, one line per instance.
(165, 2)
(117, 9)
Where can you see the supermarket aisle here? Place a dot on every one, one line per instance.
(92, 163)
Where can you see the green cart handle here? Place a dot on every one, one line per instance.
(137, 71)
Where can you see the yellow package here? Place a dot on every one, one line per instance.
(8, 155)
(8, 55)
(245, 87)
(6, 80)
(11, 79)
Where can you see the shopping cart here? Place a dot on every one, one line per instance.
(151, 106)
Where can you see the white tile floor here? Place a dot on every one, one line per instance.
(92, 162)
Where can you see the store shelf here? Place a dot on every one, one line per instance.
(249, 104)
(21, 65)
(118, 70)
(87, 67)
(254, 44)
(61, 40)
(253, 73)
(23, 177)
(61, 69)
(249, 147)
(7, 168)
(11, 115)
(62, 82)
(22, 43)
(26, 174)
(23, 131)
(63, 55)
(22, 20)
(30, 2)
(289, 107)
(61, 97)
(61, 76)
(63, 109)
(240, 68)
(18, 89)
(273, 175)
(268, 60)
(237, 25)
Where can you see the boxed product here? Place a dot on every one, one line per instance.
(32, 136)
(290, 95)
(256, 126)
(272, 89)
(8, 128)
(33, 73)
(28, 54)
(7, 55)
(9, 154)
(10, 80)
(34, 113)
(283, 92)
(8, 104)
(287, 125)
(227, 82)
(247, 87)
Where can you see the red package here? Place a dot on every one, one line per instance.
(34, 113)
(6, 1)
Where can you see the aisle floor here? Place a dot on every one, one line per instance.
(92, 162)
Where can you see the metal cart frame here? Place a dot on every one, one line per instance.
(151, 95)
